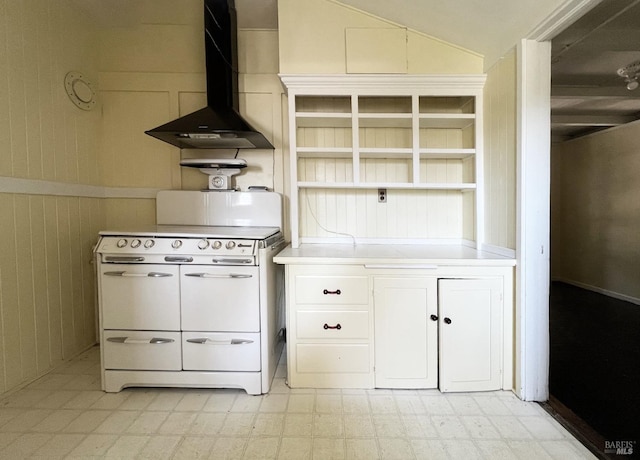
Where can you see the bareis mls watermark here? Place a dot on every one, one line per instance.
(619, 447)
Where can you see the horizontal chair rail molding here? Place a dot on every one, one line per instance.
(42, 187)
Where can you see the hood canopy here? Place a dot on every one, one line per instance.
(219, 125)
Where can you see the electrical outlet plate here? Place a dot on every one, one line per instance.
(382, 195)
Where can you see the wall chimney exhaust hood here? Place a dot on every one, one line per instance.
(219, 125)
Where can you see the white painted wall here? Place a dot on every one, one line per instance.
(596, 212)
(315, 38)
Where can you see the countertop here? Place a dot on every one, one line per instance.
(413, 255)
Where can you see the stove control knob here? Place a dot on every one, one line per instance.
(149, 244)
(216, 245)
(177, 244)
(203, 244)
(135, 243)
(231, 244)
(121, 243)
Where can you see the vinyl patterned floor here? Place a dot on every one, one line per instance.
(66, 415)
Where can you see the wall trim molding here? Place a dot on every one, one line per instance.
(533, 178)
(565, 15)
(589, 287)
(43, 187)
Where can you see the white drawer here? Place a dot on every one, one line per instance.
(142, 350)
(330, 358)
(334, 325)
(207, 351)
(332, 290)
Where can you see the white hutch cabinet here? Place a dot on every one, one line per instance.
(387, 285)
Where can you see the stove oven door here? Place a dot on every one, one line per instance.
(140, 296)
(220, 298)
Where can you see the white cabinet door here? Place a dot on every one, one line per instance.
(406, 344)
(470, 334)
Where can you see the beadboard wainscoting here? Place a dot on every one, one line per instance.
(47, 276)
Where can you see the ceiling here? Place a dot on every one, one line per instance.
(489, 28)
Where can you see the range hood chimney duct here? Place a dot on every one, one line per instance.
(219, 125)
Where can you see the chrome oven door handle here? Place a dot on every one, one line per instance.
(227, 260)
(178, 259)
(138, 275)
(123, 259)
(153, 341)
(215, 275)
(206, 341)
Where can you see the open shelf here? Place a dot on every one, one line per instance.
(447, 153)
(323, 120)
(325, 152)
(447, 120)
(389, 185)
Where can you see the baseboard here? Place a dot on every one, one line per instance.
(588, 287)
(583, 432)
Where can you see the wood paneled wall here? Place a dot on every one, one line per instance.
(500, 153)
(407, 214)
(47, 284)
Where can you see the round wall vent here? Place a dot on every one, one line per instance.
(80, 90)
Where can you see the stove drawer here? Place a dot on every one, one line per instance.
(203, 351)
(142, 350)
(140, 297)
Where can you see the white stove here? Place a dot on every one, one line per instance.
(196, 300)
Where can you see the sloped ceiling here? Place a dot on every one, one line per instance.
(486, 27)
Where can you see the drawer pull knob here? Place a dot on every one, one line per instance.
(337, 326)
(447, 320)
(434, 318)
(336, 292)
